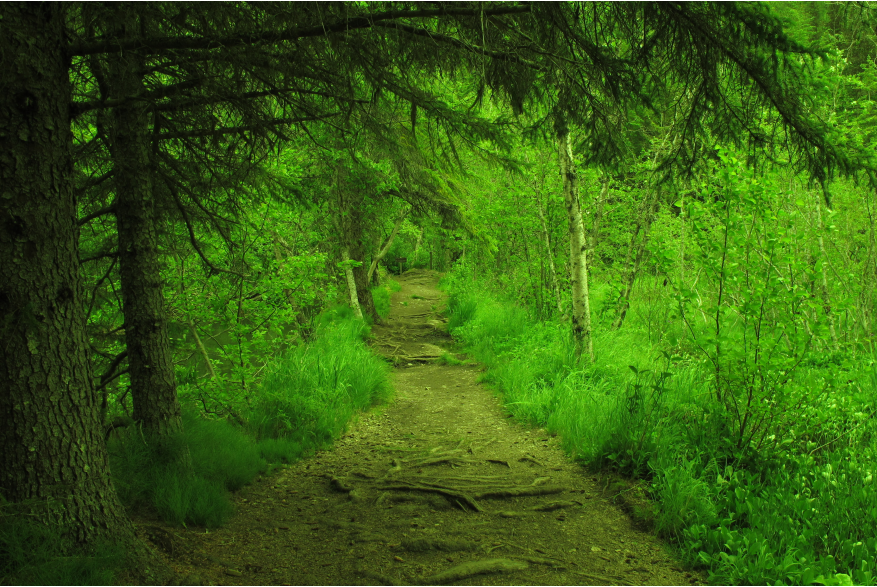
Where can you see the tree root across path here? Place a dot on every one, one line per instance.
(465, 490)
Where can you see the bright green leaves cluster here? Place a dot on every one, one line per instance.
(244, 320)
(750, 308)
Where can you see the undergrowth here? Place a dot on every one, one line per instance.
(35, 554)
(797, 507)
(304, 402)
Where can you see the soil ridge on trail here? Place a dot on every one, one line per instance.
(439, 487)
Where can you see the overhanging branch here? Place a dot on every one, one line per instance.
(160, 44)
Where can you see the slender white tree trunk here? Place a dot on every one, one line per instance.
(578, 252)
(383, 250)
(419, 243)
(351, 281)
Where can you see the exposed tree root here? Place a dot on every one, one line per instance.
(377, 577)
(473, 569)
(339, 485)
(448, 493)
(608, 580)
(442, 460)
(520, 491)
(512, 514)
(471, 478)
(556, 564)
(443, 545)
(554, 505)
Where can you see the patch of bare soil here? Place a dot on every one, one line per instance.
(440, 487)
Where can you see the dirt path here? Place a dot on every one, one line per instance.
(439, 487)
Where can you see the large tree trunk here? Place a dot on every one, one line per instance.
(578, 252)
(53, 461)
(350, 222)
(153, 384)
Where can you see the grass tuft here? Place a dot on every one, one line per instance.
(150, 472)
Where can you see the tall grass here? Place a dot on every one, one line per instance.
(154, 473)
(304, 402)
(798, 509)
(308, 397)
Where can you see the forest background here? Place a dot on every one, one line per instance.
(657, 221)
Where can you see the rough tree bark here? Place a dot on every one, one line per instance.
(53, 461)
(578, 253)
(153, 383)
(350, 205)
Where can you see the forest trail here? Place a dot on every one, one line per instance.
(439, 487)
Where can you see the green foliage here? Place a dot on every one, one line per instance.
(309, 395)
(181, 499)
(683, 491)
(778, 513)
(222, 454)
(760, 325)
(304, 402)
(35, 554)
(381, 297)
(153, 473)
(449, 359)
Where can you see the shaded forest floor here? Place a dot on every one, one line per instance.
(438, 487)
